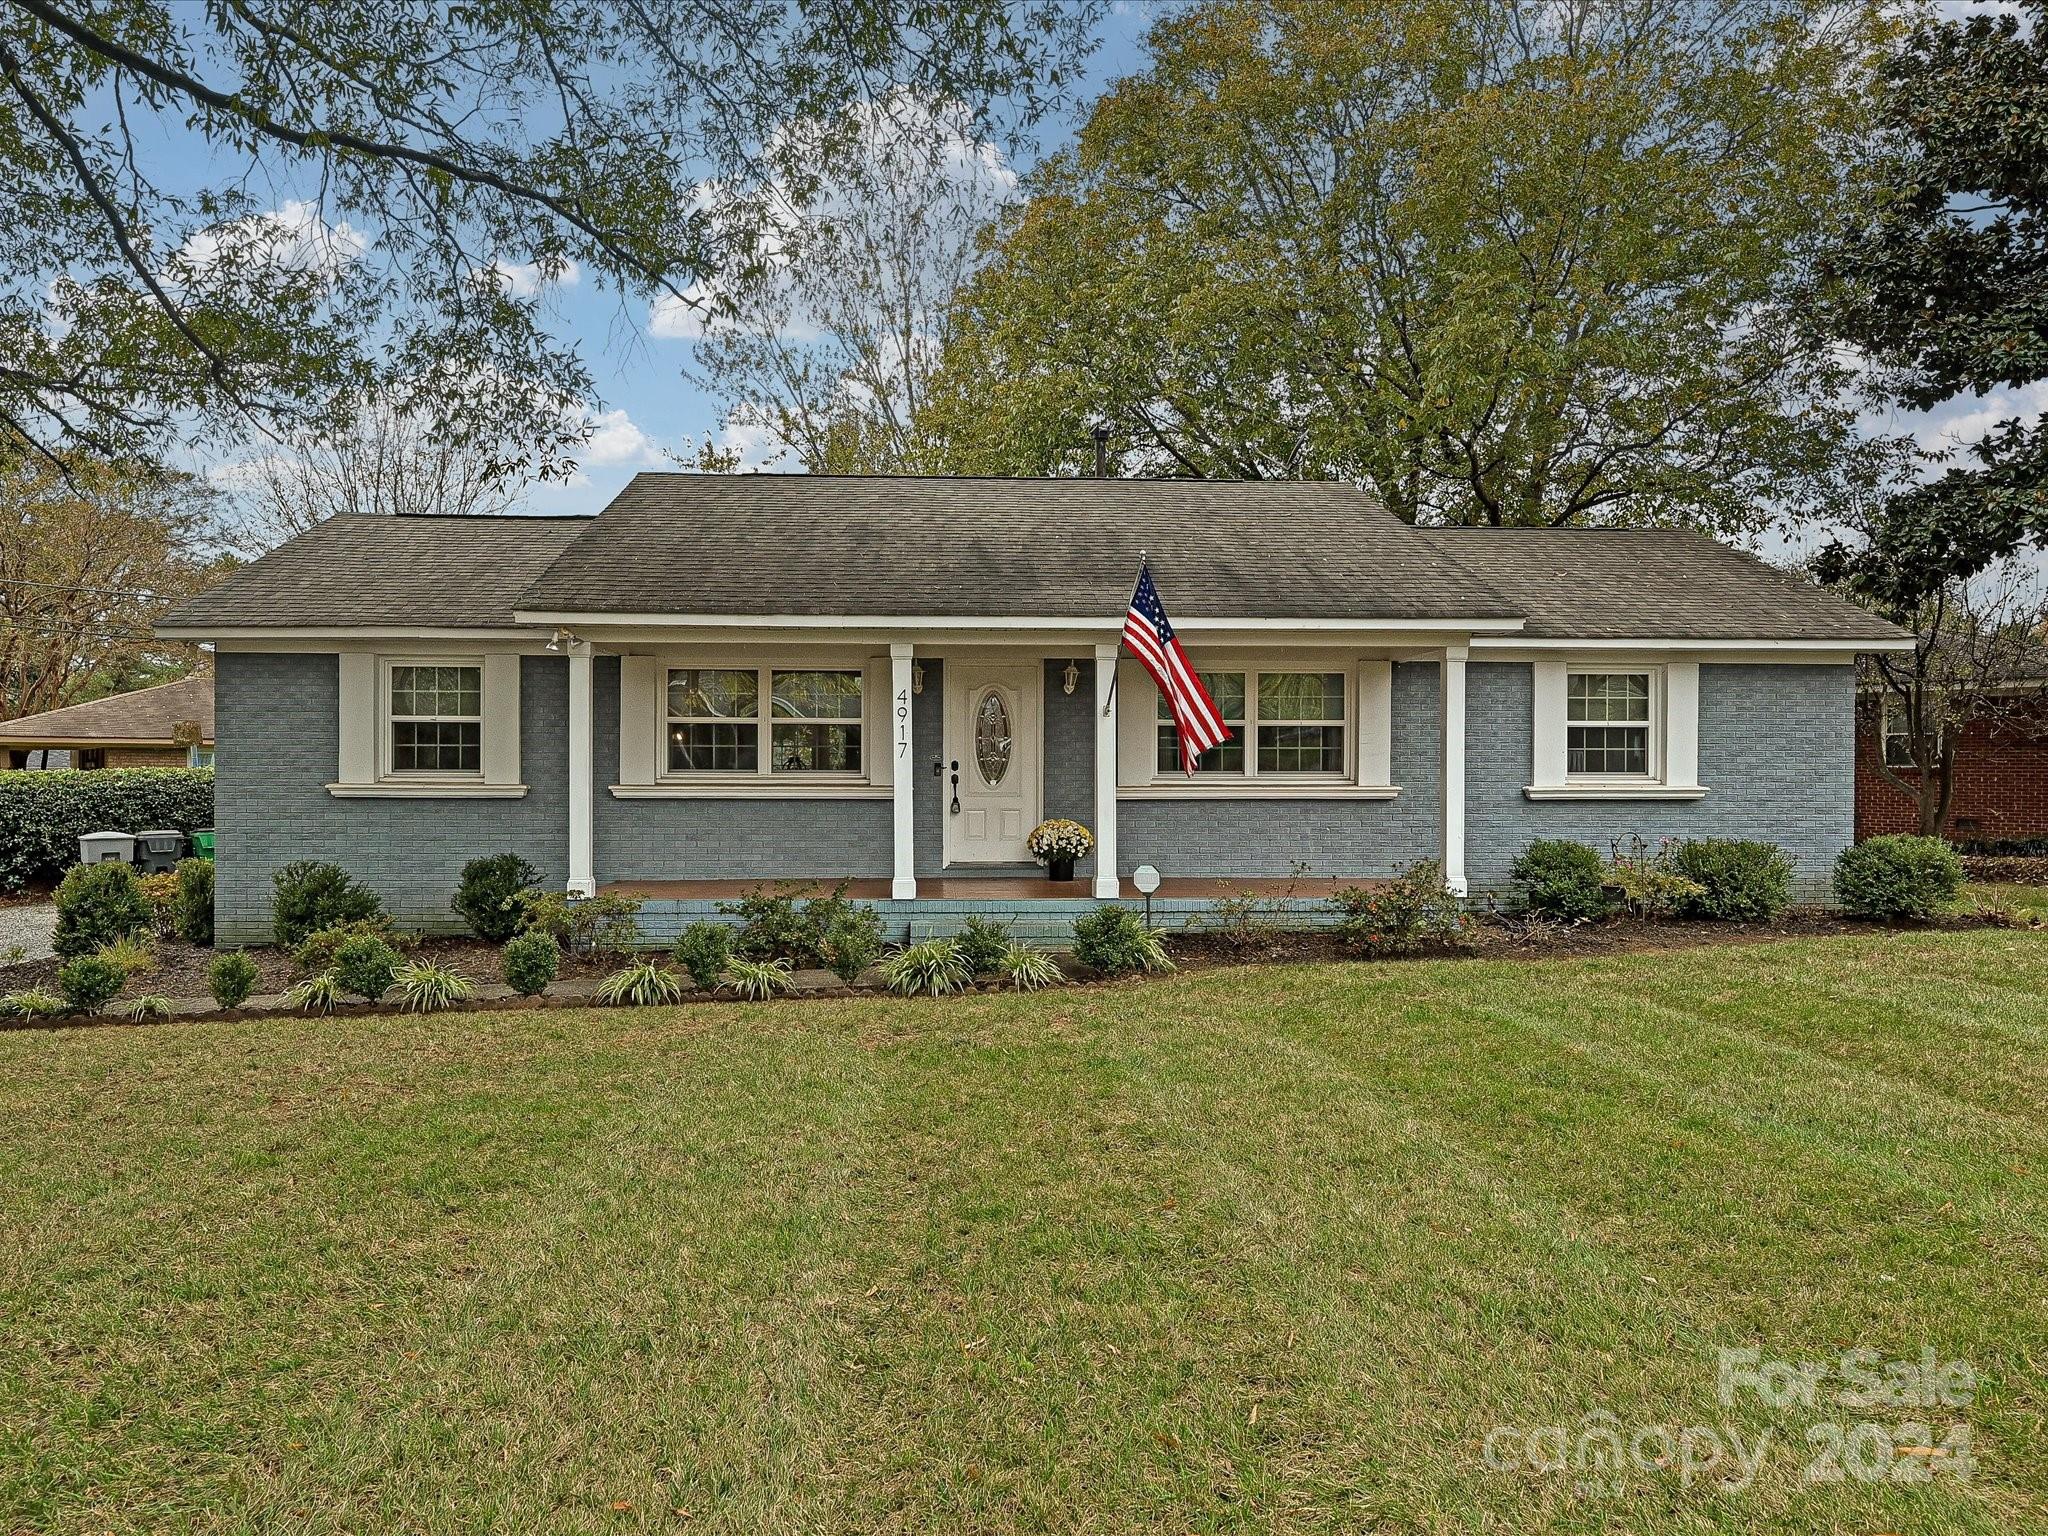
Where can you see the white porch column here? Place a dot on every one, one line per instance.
(1106, 886)
(582, 791)
(904, 886)
(1452, 780)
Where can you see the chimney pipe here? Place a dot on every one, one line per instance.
(1102, 453)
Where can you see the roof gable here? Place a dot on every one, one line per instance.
(143, 714)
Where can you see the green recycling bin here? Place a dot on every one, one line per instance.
(202, 843)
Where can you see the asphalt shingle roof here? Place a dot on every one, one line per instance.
(946, 547)
(356, 571)
(888, 546)
(144, 714)
(1650, 584)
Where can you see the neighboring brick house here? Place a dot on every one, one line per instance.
(2001, 768)
(727, 680)
(167, 726)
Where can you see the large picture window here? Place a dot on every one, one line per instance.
(436, 719)
(1302, 727)
(774, 720)
(1607, 724)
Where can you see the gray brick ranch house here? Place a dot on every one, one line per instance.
(722, 680)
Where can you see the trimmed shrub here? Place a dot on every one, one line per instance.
(488, 897)
(530, 962)
(605, 922)
(852, 943)
(310, 895)
(773, 928)
(1740, 881)
(983, 943)
(161, 892)
(193, 907)
(1415, 910)
(1899, 876)
(90, 982)
(365, 966)
(42, 815)
(1560, 879)
(1115, 942)
(97, 905)
(704, 950)
(231, 978)
(317, 952)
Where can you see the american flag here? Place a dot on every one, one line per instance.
(1150, 636)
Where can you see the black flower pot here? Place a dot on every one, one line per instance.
(1059, 869)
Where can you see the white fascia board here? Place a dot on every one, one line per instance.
(1846, 650)
(898, 622)
(259, 638)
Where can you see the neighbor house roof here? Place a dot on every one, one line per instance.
(362, 571)
(145, 717)
(763, 547)
(892, 545)
(1650, 584)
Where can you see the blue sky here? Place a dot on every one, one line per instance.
(648, 405)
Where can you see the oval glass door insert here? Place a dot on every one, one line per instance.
(992, 738)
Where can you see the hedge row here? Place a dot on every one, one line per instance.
(42, 814)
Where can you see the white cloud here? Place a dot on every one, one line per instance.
(616, 441)
(293, 237)
(1961, 422)
(681, 319)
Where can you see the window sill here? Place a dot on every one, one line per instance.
(1257, 789)
(397, 791)
(1614, 792)
(774, 790)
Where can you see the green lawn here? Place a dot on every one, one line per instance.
(1260, 1250)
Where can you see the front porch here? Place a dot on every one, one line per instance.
(1032, 909)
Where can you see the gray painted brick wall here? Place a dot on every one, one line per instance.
(1776, 748)
(278, 728)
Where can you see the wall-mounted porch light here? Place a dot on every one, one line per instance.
(1071, 678)
(917, 677)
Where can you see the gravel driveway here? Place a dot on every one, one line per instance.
(28, 924)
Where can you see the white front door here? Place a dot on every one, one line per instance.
(992, 751)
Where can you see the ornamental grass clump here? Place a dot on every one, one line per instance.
(758, 980)
(1029, 969)
(31, 1003)
(420, 986)
(933, 967)
(322, 992)
(144, 1009)
(640, 985)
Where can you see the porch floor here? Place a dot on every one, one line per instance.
(979, 888)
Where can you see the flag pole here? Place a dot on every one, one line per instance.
(1110, 702)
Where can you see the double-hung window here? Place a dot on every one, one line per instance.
(1302, 727)
(775, 721)
(1898, 733)
(434, 720)
(1608, 724)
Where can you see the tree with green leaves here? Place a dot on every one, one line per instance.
(1503, 262)
(436, 165)
(1942, 286)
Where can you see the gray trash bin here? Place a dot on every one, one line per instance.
(159, 850)
(106, 847)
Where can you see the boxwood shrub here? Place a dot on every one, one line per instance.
(310, 895)
(488, 897)
(1562, 879)
(1897, 877)
(1740, 881)
(98, 905)
(43, 814)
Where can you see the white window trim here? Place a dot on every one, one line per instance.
(1888, 704)
(763, 779)
(1652, 725)
(1368, 709)
(364, 756)
(387, 719)
(1673, 736)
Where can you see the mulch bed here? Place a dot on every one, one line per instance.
(2007, 868)
(180, 971)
